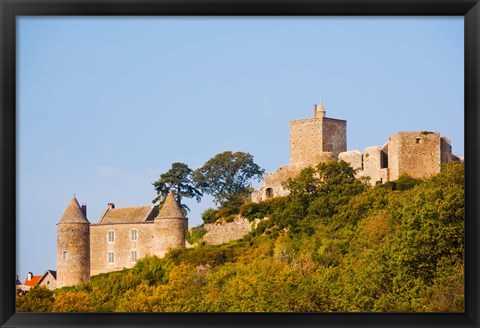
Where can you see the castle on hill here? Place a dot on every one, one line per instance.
(117, 240)
(323, 139)
(123, 235)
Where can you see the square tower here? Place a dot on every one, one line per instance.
(415, 154)
(318, 139)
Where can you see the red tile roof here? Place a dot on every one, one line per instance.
(33, 282)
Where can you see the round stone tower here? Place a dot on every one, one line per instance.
(171, 225)
(73, 246)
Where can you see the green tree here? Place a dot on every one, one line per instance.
(178, 179)
(227, 177)
(38, 299)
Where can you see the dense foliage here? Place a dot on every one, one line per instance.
(227, 177)
(334, 244)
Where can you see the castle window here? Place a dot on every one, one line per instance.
(65, 255)
(111, 257)
(133, 256)
(133, 235)
(269, 193)
(417, 139)
(111, 236)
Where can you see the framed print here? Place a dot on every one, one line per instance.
(162, 165)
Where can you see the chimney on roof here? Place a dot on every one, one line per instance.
(111, 205)
(29, 276)
(84, 209)
(314, 110)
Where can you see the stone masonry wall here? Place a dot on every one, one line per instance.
(445, 150)
(73, 238)
(122, 245)
(223, 232)
(305, 141)
(153, 238)
(372, 165)
(414, 154)
(272, 185)
(352, 157)
(334, 136)
(49, 282)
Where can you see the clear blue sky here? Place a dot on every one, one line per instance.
(105, 105)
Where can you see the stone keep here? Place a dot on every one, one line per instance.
(314, 140)
(318, 139)
(118, 240)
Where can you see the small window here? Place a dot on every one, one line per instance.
(111, 236)
(48, 282)
(111, 257)
(133, 256)
(65, 255)
(417, 139)
(133, 235)
(269, 193)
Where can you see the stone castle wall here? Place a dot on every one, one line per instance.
(272, 185)
(414, 154)
(375, 165)
(222, 232)
(73, 238)
(334, 136)
(153, 238)
(306, 141)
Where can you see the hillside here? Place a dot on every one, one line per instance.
(334, 244)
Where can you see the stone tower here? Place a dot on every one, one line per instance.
(317, 139)
(170, 225)
(73, 246)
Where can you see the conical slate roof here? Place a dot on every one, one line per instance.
(170, 209)
(73, 213)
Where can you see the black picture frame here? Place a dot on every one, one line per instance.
(10, 9)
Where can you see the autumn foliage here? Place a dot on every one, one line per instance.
(334, 245)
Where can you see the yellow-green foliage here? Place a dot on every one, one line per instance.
(335, 244)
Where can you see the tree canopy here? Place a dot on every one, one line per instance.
(227, 176)
(178, 179)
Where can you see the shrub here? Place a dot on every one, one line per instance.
(209, 215)
(195, 234)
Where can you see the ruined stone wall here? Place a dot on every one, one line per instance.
(352, 157)
(446, 155)
(305, 141)
(414, 154)
(374, 165)
(272, 183)
(73, 238)
(334, 136)
(222, 232)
